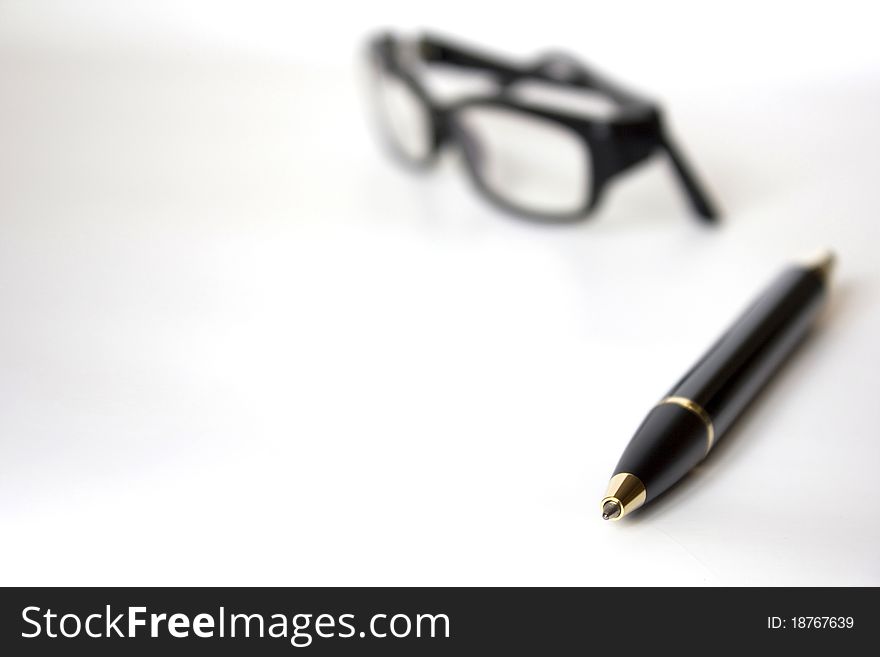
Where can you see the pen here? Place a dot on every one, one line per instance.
(684, 426)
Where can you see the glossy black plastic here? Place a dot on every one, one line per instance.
(615, 144)
(672, 439)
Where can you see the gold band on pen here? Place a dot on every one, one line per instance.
(697, 410)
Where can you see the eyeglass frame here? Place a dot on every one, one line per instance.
(614, 144)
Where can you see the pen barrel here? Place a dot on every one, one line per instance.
(745, 358)
(699, 409)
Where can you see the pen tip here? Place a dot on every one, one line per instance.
(610, 510)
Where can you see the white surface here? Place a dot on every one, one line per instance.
(239, 346)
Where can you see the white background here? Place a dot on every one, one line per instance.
(240, 346)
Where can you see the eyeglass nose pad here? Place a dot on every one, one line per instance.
(470, 145)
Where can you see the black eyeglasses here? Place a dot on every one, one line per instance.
(538, 161)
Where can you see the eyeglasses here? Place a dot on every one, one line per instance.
(543, 162)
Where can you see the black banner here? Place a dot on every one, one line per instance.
(421, 621)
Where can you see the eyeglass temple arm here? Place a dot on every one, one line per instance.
(557, 68)
(564, 69)
(437, 49)
(695, 191)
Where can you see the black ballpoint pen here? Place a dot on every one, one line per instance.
(683, 427)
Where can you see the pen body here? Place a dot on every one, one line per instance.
(699, 409)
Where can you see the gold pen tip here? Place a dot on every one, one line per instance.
(626, 492)
(610, 510)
